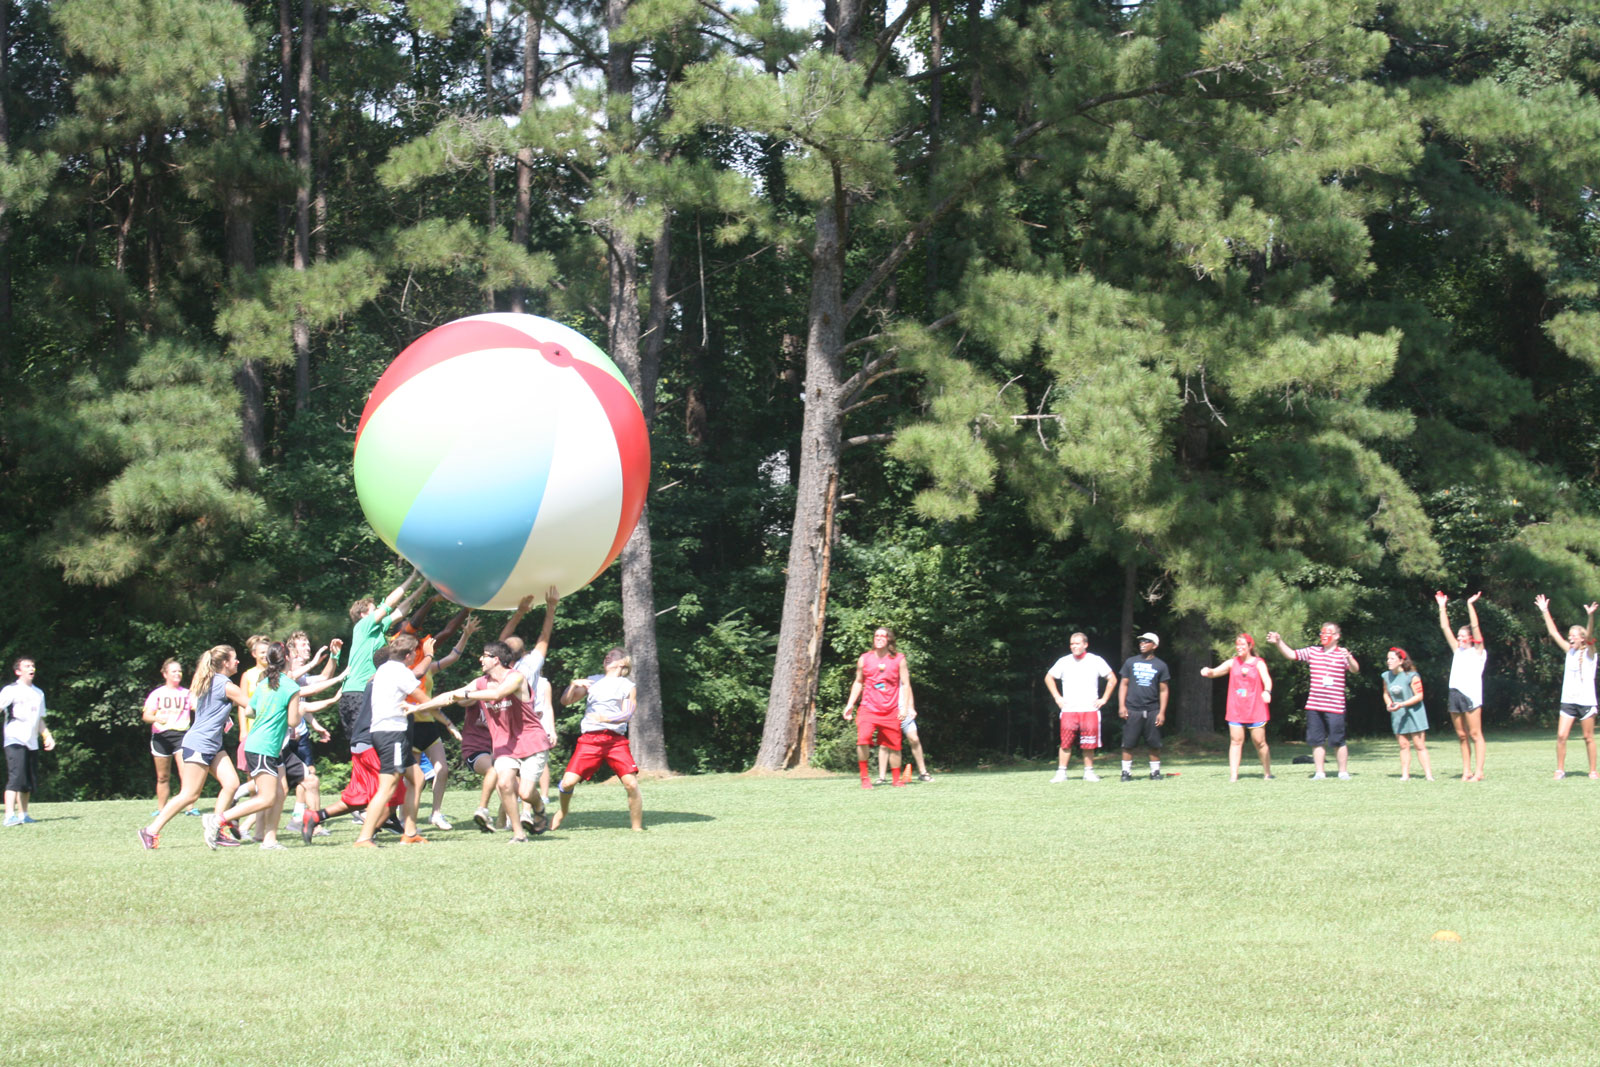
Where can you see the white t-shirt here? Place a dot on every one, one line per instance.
(392, 683)
(545, 707)
(1466, 673)
(24, 709)
(1577, 683)
(1080, 681)
(529, 667)
(607, 707)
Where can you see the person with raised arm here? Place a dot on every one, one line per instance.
(1465, 706)
(1249, 705)
(204, 751)
(1329, 662)
(610, 700)
(276, 702)
(1577, 683)
(392, 682)
(368, 634)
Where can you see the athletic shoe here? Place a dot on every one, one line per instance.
(541, 822)
(1061, 776)
(1560, 775)
(413, 839)
(1269, 777)
(393, 825)
(148, 839)
(484, 820)
(1318, 776)
(1344, 776)
(1156, 776)
(196, 812)
(228, 842)
(321, 831)
(880, 781)
(153, 814)
(228, 830)
(241, 792)
(527, 821)
(29, 819)
(1090, 776)
(272, 846)
(518, 841)
(1127, 776)
(13, 820)
(865, 784)
(924, 777)
(308, 826)
(438, 819)
(359, 818)
(213, 830)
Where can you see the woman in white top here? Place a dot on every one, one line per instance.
(1577, 684)
(1466, 685)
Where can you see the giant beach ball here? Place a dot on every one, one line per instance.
(503, 454)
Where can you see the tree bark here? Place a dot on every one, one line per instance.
(1192, 648)
(240, 251)
(791, 701)
(302, 200)
(522, 212)
(1130, 593)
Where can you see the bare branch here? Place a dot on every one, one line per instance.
(885, 40)
(867, 439)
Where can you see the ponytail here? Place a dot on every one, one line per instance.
(277, 659)
(211, 662)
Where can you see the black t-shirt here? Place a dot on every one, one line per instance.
(1144, 677)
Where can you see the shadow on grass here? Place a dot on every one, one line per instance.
(618, 819)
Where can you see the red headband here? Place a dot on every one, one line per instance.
(1402, 653)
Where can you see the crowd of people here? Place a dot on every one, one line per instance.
(396, 723)
(1082, 683)
(393, 717)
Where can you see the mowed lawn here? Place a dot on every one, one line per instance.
(985, 918)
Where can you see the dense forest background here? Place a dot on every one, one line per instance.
(990, 320)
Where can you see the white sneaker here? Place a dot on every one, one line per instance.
(295, 821)
(1344, 776)
(1090, 776)
(438, 819)
(1061, 775)
(1318, 776)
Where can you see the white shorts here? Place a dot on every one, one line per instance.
(909, 727)
(527, 769)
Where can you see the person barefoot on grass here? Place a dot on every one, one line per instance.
(610, 703)
(1249, 703)
(23, 703)
(1079, 674)
(1468, 657)
(169, 710)
(1408, 717)
(276, 704)
(204, 750)
(1577, 683)
(1329, 663)
(881, 673)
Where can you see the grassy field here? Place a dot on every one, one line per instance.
(985, 918)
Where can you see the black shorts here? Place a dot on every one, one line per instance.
(294, 768)
(349, 711)
(1324, 728)
(394, 750)
(259, 763)
(1460, 703)
(1576, 711)
(167, 742)
(473, 758)
(22, 768)
(424, 734)
(198, 757)
(1140, 728)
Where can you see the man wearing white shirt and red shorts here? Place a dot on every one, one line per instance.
(1079, 699)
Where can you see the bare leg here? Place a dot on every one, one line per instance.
(1343, 755)
(1405, 755)
(377, 807)
(1319, 757)
(413, 798)
(1420, 740)
(1588, 743)
(191, 783)
(506, 783)
(163, 780)
(1459, 721)
(1259, 737)
(436, 756)
(1235, 750)
(1563, 728)
(883, 763)
(227, 781)
(630, 782)
(916, 754)
(569, 782)
(1475, 729)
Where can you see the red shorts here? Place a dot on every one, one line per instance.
(238, 757)
(364, 782)
(888, 728)
(597, 747)
(1082, 727)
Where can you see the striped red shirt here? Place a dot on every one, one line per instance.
(1327, 678)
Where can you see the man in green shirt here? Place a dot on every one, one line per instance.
(369, 634)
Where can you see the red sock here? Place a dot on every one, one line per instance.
(896, 772)
(863, 764)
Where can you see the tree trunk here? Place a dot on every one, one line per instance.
(5, 221)
(240, 251)
(491, 219)
(302, 201)
(1130, 593)
(1192, 650)
(522, 213)
(791, 701)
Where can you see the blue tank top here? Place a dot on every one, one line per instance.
(211, 713)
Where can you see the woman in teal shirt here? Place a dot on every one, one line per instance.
(1402, 695)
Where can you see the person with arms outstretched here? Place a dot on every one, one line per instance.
(1468, 657)
(1577, 683)
(1329, 662)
